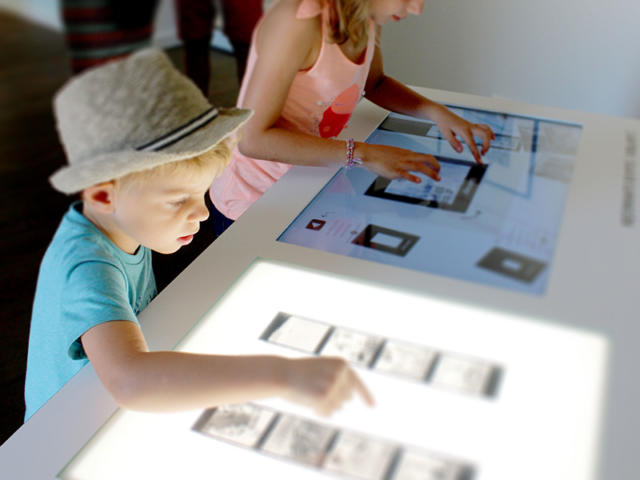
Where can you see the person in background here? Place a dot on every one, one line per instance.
(195, 19)
(98, 31)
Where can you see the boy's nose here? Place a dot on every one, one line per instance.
(200, 213)
(415, 7)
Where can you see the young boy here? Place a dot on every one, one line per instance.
(143, 147)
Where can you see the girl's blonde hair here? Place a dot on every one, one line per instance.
(349, 20)
(215, 159)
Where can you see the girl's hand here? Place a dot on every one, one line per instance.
(323, 383)
(452, 126)
(394, 162)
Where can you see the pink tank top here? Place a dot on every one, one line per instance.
(320, 102)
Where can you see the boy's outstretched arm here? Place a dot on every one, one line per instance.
(167, 381)
(397, 97)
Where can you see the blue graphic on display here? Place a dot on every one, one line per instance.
(495, 223)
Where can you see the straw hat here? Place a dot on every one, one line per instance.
(131, 115)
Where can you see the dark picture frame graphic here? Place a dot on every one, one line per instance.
(459, 204)
(512, 264)
(405, 240)
(401, 125)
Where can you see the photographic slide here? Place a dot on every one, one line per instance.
(296, 332)
(299, 440)
(454, 192)
(466, 375)
(415, 465)
(244, 424)
(404, 359)
(356, 347)
(360, 456)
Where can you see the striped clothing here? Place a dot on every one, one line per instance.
(98, 31)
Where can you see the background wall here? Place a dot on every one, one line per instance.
(578, 54)
(40, 11)
(46, 12)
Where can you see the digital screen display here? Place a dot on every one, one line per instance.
(494, 223)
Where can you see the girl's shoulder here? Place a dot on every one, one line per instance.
(291, 10)
(293, 19)
(310, 8)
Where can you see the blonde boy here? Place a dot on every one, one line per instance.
(143, 147)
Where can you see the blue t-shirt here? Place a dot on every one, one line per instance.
(84, 280)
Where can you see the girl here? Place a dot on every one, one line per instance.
(309, 64)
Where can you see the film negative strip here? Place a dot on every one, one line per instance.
(447, 370)
(336, 451)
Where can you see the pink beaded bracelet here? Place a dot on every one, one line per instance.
(351, 161)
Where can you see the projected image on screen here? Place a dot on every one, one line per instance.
(494, 223)
(455, 190)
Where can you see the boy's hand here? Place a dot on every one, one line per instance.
(394, 162)
(323, 383)
(452, 126)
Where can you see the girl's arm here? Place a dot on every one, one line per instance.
(395, 96)
(167, 381)
(286, 45)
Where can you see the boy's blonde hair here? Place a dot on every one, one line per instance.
(349, 20)
(215, 160)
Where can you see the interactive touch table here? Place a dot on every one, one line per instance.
(493, 315)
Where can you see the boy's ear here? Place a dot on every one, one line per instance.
(100, 197)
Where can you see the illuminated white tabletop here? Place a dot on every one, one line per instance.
(556, 363)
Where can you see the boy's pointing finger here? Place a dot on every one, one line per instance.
(362, 390)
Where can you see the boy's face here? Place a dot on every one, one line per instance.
(162, 213)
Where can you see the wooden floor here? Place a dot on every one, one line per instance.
(33, 65)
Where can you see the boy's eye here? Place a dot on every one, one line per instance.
(178, 203)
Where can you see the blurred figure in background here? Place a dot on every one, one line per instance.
(98, 31)
(195, 20)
